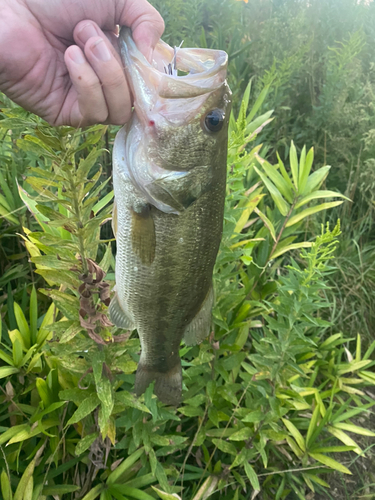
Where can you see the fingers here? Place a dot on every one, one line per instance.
(97, 75)
(146, 24)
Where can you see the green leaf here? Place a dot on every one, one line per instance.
(85, 443)
(44, 392)
(22, 325)
(103, 202)
(104, 391)
(131, 400)
(253, 478)
(344, 438)
(281, 184)
(166, 496)
(5, 371)
(315, 179)
(257, 104)
(130, 492)
(294, 164)
(312, 425)
(305, 168)
(66, 303)
(50, 409)
(69, 334)
(247, 211)
(293, 246)
(115, 476)
(312, 210)
(33, 315)
(17, 351)
(242, 434)
(95, 492)
(87, 406)
(267, 223)
(320, 194)
(281, 204)
(329, 462)
(295, 433)
(26, 476)
(5, 436)
(6, 489)
(355, 429)
(225, 446)
(60, 489)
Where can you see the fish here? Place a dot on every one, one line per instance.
(169, 177)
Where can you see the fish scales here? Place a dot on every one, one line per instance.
(169, 176)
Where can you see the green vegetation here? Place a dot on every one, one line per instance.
(278, 401)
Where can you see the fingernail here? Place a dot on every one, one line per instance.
(101, 51)
(87, 31)
(76, 55)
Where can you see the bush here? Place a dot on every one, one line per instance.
(268, 399)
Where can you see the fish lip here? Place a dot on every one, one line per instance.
(206, 69)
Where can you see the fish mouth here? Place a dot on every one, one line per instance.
(205, 69)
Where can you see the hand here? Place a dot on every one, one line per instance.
(58, 58)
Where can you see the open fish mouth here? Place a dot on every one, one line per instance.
(205, 70)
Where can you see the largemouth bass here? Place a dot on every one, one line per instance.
(169, 175)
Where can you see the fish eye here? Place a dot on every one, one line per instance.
(214, 120)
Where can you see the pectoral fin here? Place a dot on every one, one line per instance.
(118, 316)
(143, 234)
(200, 326)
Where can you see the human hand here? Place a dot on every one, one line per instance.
(58, 58)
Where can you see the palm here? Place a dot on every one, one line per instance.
(34, 36)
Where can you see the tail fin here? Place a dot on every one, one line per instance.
(168, 385)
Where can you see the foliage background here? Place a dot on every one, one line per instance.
(282, 393)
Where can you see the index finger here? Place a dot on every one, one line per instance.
(146, 24)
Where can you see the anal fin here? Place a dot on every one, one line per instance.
(118, 316)
(199, 328)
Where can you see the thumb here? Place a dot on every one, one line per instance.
(146, 24)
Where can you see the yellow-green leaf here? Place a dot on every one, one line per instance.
(320, 194)
(266, 222)
(95, 492)
(22, 325)
(329, 462)
(44, 392)
(312, 425)
(344, 438)
(19, 494)
(124, 466)
(241, 435)
(279, 181)
(294, 164)
(295, 433)
(281, 204)
(6, 489)
(354, 428)
(166, 496)
(312, 210)
(87, 406)
(248, 209)
(5, 371)
(305, 169)
(253, 478)
(293, 246)
(315, 179)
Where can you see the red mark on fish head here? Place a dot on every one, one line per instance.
(151, 123)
